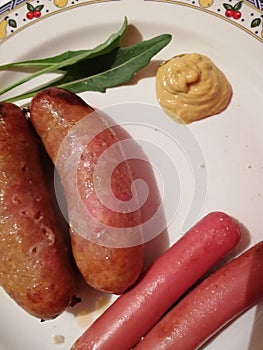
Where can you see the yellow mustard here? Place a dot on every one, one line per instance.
(190, 87)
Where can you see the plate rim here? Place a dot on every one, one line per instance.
(13, 14)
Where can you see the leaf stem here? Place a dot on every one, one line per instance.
(74, 57)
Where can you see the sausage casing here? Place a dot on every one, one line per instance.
(36, 268)
(135, 312)
(54, 112)
(211, 305)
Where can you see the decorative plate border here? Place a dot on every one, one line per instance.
(17, 14)
(246, 14)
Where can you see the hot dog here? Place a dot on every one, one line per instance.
(35, 264)
(54, 113)
(221, 297)
(168, 278)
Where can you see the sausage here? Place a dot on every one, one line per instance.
(220, 298)
(167, 279)
(36, 267)
(55, 113)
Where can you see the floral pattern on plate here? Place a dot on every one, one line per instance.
(246, 14)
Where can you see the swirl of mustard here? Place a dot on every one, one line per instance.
(190, 87)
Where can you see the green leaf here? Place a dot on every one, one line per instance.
(255, 23)
(228, 6)
(54, 64)
(237, 6)
(89, 67)
(39, 7)
(12, 23)
(112, 42)
(44, 62)
(30, 7)
(126, 62)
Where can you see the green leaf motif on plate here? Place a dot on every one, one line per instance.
(30, 7)
(12, 23)
(39, 8)
(228, 6)
(255, 23)
(238, 6)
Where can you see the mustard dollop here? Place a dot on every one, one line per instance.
(190, 87)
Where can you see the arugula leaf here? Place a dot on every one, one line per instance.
(121, 64)
(127, 62)
(54, 64)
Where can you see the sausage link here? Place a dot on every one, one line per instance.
(221, 297)
(36, 267)
(54, 112)
(131, 316)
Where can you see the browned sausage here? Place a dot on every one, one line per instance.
(35, 264)
(54, 112)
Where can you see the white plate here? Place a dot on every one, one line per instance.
(229, 166)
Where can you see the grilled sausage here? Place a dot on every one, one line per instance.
(54, 113)
(36, 267)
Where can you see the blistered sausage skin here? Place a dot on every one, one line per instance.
(54, 112)
(35, 263)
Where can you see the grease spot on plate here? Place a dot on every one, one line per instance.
(58, 339)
